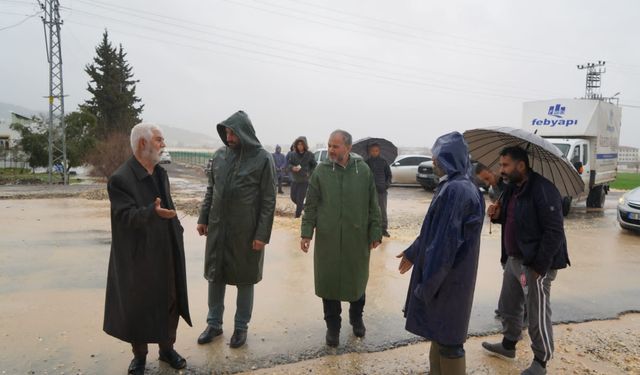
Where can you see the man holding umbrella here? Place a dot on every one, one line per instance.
(534, 247)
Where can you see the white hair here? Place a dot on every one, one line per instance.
(142, 130)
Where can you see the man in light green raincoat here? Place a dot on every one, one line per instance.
(342, 207)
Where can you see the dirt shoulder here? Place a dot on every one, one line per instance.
(597, 347)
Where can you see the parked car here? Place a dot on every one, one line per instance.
(405, 168)
(165, 157)
(425, 176)
(321, 155)
(629, 210)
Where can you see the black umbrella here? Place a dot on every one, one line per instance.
(544, 157)
(388, 151)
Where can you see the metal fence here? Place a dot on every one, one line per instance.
(191, 157)
(10, 160)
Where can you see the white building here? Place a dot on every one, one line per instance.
(628, 154)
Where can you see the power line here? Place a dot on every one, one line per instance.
(380, 32)
(19, 23)
(305, 64)
(260, 45)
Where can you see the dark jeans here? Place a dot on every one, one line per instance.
(333, 309)
(298, 192)
(280, 178)
(382, 202)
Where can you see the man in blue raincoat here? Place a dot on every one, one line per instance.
(445, 256)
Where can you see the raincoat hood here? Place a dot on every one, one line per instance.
(241, 125)
(278, 148)
(452, 154)
(304, 140)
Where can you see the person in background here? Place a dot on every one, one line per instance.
(301, 163)
(492, 180)
(382, 178)
(280, 162)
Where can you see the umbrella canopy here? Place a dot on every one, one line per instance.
(388, 151)
(545, 158)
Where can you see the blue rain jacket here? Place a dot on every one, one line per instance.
(445, 254)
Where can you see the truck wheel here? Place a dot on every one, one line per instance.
(596, 197)
(566, 205)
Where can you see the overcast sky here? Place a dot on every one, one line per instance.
(408, 71)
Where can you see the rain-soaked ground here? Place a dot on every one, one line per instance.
(53, 263)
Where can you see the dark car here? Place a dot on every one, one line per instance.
(428, 179)
(425, 176)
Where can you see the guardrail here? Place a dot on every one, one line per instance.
(191, 157)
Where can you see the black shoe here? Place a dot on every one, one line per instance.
(280, 192)
(174, 359)
(238, 339)
(358, 327)
(209, 334)
(333, 338)
(136, 367)
(385, 233)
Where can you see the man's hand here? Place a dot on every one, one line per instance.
(203, 229)
(304, 244)
(296, 168)
(374, 244)
(258, 245)
(493, 211)
(405, 264)
(163, 212)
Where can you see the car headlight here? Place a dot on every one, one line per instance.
(622, 200)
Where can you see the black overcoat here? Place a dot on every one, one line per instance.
(142, 246)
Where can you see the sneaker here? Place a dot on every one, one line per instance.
(535, 369)
(499, 351)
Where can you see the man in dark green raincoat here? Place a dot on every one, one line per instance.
(236, 216)
(342, 207)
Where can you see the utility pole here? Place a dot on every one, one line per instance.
(52, 22)
(594, 77)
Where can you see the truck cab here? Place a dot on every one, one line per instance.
(587, 132)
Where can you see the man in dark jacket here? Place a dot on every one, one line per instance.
(280, 162)
(236, 216)
(534, 247)
(445, 256)
(382, 178)
(301, 164)
(146, 282)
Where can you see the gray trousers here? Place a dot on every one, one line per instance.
(537, 297)
(382, 202)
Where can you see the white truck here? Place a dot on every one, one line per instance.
(587, 131)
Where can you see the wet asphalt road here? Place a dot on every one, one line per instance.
(53, 263)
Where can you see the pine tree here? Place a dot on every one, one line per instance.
(114, 102)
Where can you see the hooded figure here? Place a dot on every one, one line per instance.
(301, 164)
(445, 259)
(236, 216)
(280, 162)
(342, 209)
